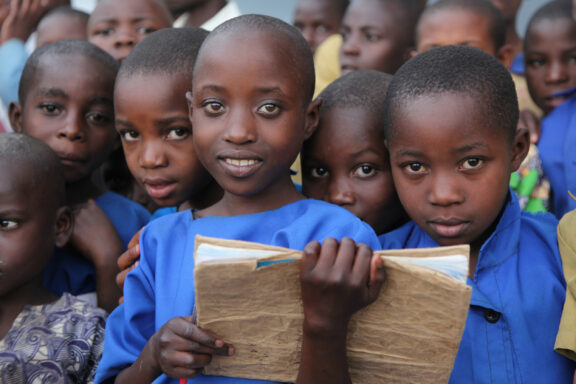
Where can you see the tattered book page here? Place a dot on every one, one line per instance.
(410, 334)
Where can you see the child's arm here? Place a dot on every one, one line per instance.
(96, 238)
(179, 349)
(337, 280)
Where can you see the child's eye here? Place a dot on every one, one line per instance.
(472, 163)
(145, 30)
(129, 135)
(214, 107)
(178, 133)
(415, 168)
(8, 224)
(269, 109)
(98, 118)
(103, 32)
(536, 63)
(364, 171)
(50, 109)
(321, 29)
(372, 37)
(318, 172)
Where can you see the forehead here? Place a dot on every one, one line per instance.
(75, 74)
(265, 59)
(16, 177)
(370, 13)
(169, 94)
(315, 8)
(557, 29)
(442, 122)
(114, 10)
(455, 23)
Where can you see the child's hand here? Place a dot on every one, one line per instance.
(337, 280)
(128, 261)
(22, 19)
(182, 349)
(96, 238)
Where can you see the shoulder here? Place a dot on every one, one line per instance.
(117, 201)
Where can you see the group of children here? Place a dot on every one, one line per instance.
(416, 139)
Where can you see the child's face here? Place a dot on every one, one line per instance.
(550, 61)
(30, 227)
(317, 20)
(372, 38)
(249, 118)
(455, 27)
(117, 26)
(451, 171)
(60, 27)
(346, 163)
(157, 137)
(69, 107)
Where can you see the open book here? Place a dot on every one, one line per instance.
(249, 294)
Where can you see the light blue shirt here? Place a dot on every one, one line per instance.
(13, 56)
(518, 293)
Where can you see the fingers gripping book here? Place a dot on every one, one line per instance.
(249, 294)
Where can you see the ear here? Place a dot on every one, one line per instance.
(312, 117)
(63, 227)
(506, 55)
(15, 115)
(190, 101)
(520, 147)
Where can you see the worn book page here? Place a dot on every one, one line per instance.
(409, 335)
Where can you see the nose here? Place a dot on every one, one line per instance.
(557, 72)
(339, 192)
(74, 128)
(310, 36)
(152, 155)
(350, 46)
(445, 190)
(126, 37)
(240, 128)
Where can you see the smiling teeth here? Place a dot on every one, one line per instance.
(240, 163)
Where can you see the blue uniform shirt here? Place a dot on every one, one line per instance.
(70, 272)
(557, 150)
(162, 286)
(518, 293)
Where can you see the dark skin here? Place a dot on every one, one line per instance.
(257, 182)
(75, 118)
(26, 211)
(19, 18)
(198, 11)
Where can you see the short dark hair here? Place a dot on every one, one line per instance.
(167, 51)
(363, 88)
(554, 10)
(457, 70)
(485, 8)
(44, 169)
(300, 50)
(63, 47)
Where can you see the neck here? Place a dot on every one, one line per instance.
(275, 196)
(12, 303)
(205, 198)
(81, 191)
(203, 12)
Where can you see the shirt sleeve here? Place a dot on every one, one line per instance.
(13, 57)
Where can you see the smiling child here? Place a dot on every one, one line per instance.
(249, 120)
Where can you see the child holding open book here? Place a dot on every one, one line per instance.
(251, 110)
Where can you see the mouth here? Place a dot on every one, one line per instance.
(159, 189)
(240, 167)
(555, 100)
(347, 68)
(450, 228)
(70, 159)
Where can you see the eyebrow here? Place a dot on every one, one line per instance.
(363, 151)
(471, 147)
(101, 100)
(264, 90)
(51, 92)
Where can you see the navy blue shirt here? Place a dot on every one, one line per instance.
(518, 293)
